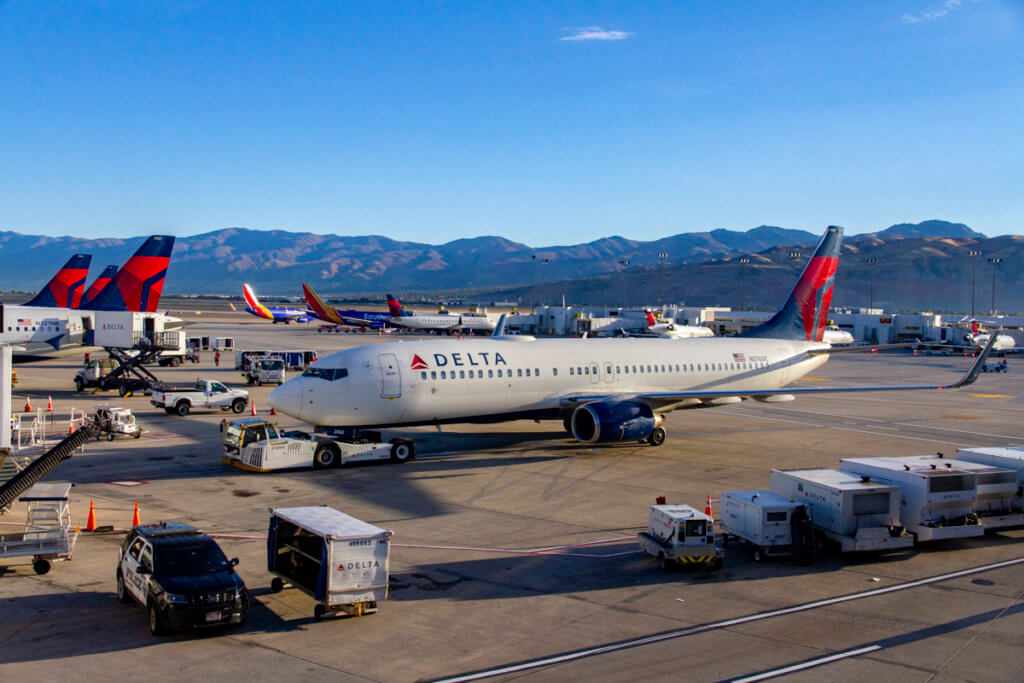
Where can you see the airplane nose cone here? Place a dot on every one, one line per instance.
(287, 398)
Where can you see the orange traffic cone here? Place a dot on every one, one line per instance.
(136, 520)
(253, 411)
(49, 404)
(273, 410)
(28, 405)
(90, 521)
(707, 507)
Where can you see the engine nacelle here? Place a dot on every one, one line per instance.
(611, 421)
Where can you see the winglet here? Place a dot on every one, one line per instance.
(975, 370)
(499, 329)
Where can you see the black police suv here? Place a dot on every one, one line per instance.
(181, 576)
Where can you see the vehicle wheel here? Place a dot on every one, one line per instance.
(123, 390)
(277, 584)
(758, 555)
(175, 362)
(156, 622)
(137, 434)
(325, 456)
(401, 451)
(318, 612)
(182, 409)
(248, 380)
(238, 405)
(664, 563)
(110, 436)
(40, 566)
(259, 383)
(122, 590)
(79, 384)
(657, 437)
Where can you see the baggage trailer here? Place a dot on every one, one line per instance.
(850, 510)
(997, 489)
(773, 525)
(47, 536)
(340, 561)
(1009, 458)
(936, 502)
(680, 535)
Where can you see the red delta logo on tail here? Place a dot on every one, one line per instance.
(138, 285)
(814, 295)
(650, 319)
(65, 289)
(394, 307)
(418, 363)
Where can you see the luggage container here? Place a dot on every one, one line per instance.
(773, 525)
(848, 509)
(997, 489)
(1009, 458)
(936, 502)
(340, 561)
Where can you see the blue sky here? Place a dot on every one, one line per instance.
(548, 123)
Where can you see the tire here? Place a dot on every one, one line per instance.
(137, 434)
(40, 566)
(238, 405)
(110, 436)
(123, 390)
(122, 591)
(657, 437)
(402, 451)
(79, 384)
(259, 383)
(664, 563)
(156, 622)
(325, 456)
(758, 555)
(181, 408)
(248, 380)
(277, 584)
(318, 612)
(175, 362)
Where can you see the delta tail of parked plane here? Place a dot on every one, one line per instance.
(50, 321)
(673, 330)
(276, 314)
(604, 390)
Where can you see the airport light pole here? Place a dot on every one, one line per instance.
(994, 262)
(871, 262)
(743, 271)
(624, 262)
(543, 279)
(533, 279)
(974, 270)
(661, 281)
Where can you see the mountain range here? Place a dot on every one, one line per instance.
(699, 267)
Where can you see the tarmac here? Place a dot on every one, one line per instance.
(514, 551)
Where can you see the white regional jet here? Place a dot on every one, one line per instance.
(605, 390)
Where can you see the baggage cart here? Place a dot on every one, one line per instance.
(338, 560)
(47, 536)
(773, 525)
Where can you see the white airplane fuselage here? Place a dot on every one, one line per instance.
(32, 327)
(499, 379)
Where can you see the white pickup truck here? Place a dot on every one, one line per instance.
(205, 393)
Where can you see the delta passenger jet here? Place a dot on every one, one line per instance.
(604, 390)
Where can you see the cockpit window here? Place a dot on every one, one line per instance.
(329, 374)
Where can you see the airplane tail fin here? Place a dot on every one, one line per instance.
(650, 319)
(65, 289)
(804, 315)
(254, 303)
(97, 286)
(319, 308)
(139, 283)
(394, 307)
(232, 307)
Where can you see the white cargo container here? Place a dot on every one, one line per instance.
(125, 329)
(342, 562)
(768, 522)
(935, 502)
(848, 509)
(997, 489)
(1009, 458)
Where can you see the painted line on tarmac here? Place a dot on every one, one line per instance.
(714, 626)
(810, 664)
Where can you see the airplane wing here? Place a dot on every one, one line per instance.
(847, 348)
(358, 322)
(668, 399)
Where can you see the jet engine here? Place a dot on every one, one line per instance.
(611, 421)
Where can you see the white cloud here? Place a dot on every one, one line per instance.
(947, 7)
(594, 33)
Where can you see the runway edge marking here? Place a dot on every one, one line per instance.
(714, 626)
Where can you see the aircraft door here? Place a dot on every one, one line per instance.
(390, 378)
(608, 372)
(595, 376)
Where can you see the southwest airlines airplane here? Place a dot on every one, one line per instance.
(604, 390)
(276, 314)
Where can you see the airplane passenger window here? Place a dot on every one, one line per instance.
(579, 370)
(462, 374)
(648, 368)
(499, 372)
(444, 375)
(536, 372)
(423, 375)
(527, 372)
(571, 371)
(519, 372)
(433, 374)
(490, 373)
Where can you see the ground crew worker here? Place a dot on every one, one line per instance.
(216, 359)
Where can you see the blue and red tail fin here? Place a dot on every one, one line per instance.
(137, 286)
(97, 286)
(66, 287)
(394, 307)
(804, 315)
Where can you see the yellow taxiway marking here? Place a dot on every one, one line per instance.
(814, 379)
(991, 395)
